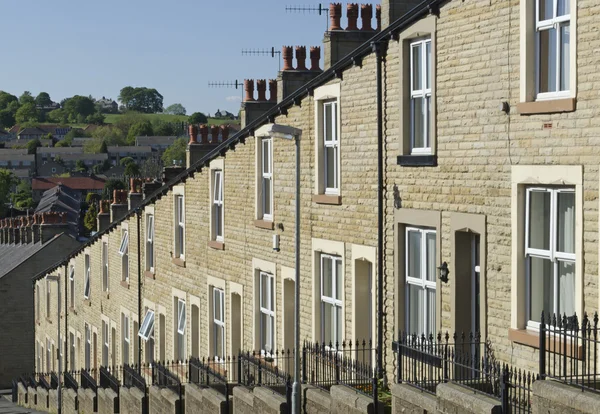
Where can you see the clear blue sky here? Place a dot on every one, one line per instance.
(69, 47)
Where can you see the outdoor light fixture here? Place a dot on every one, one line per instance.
(444, 272)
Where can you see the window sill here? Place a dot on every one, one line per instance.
(334, 200)
(547, 107)
(417, 160)
(532, 339)
(149, 274)
(177, 261)
(264, 224)
(217, 245)
(87, 302)
(125, 284)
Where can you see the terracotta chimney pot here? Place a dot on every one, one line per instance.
(378, 16)
(261, 87)
(224, 132)
(288, 54)
(214, 132)
(193, 130)
(273, 90)
(335, 16)
(301, 58)
(104, 207)
(249, 88)
(203, 134)
(366, 14)
(315, 56)
(352, 14)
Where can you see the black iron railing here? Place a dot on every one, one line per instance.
(108, 380)
(43, 381)
(272, 370)
(219, 374)
(54, 380)
(70, 381)
(349, 364)
(162, 376)
(132, 378)
(569, 350)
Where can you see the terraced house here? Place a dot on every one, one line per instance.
(449, 182)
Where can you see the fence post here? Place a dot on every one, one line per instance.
(303, 363)
(259, 372)
(375, 395)
(239, 368)
(542, 367)
(504, 384)
(337, 366)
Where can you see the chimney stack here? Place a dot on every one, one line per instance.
(135, 193)
(339, 43)
(119, 206)
(290, 80)
(252, 109)
(52, 225)
(378, 16)
(17, 230)
(35, 228)
(172, 171)
(195, 151)
(103, 219)
(149, 187)
(392, 10)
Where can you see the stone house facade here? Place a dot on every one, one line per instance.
(487, 165)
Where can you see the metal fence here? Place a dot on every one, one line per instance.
(216, 373)
(271, 370)
(426, 361)
(349, 364)
(108, 380)
(569, 350)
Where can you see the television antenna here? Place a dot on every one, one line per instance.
(263, 52)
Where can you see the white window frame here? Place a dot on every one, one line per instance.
(424, 92)
(48, 354)
(218, 211)
(268, 311)
(72, 286)
(333, 143)
(180, 226)
(556, 22)
(552, 254)
(87, 281)
(72, 351)
(181, 316)
(147, 328)
(48, 292)
(126, 338)
(105, 343)
(267, 177)
(124, 252)
(88, 346)
(105, 266)
(336, 302)
(150, 242)
(219, 324)
(422, 282)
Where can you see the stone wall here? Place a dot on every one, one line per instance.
(551, 397)
(131, 400)
(70, 405)
(258, 400)
(163, 400)
(87, 401)
(108, 401)
(315, 400)
(200, 400)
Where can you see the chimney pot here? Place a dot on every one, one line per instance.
(301, 58)
(214, 132)
(352, 14)
(261, 87)
(378, 16)
(224, 132)
(104, 207)
(120, 197)
(273, 90)
(203, 134)
(335, 16)
(249, 88)
(135, 185)
(366, 14)
(287, 54)
(315, 56)
(193, 131)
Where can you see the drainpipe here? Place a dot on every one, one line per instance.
(66, 341)
(379, 49)
(139, 266)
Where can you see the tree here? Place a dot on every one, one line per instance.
(23, 197)
(175, 152)
(7, 181)
(197, 118)
(103, 148)
(79, 107)
(43, 99)
(146, 100)
(143, 128)
(175, 109)
(96, 118)
(60, 116)
(7, 118)
(164, 129)
(80, 166)
(32, 146)
(90, 218)
(6, 98)
(132, 169)
(110, 134)
(110, 185)
(26, 98)
(27, 113)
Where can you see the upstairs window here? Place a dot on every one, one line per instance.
(267, 178)
(553, 43)
(48, 298)
(420, 96)
(150, 242)
(124, 252)
(87, 269)
(72, 286)
(147, 328)
(179, 227)
(550, 252)
(217, 207)
(105, 266)
(331, 149)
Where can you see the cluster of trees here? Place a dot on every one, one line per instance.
(142, 99)
(77, 109)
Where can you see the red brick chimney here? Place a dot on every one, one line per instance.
(287, 55)
(335, 16)
(366, 15)
(249, 88)
(261, 87)
(214, 134)
(53, 223)
(224, 132)
(193, 131)
(119, 206)
(273, 90)
(315, 56)
(135, 192)
(301, 58)
(203, 134)
(352, 15)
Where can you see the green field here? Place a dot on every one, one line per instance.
(113, 118)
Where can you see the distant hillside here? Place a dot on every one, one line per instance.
(113, 118)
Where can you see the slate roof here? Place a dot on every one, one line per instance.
(12, 255)
(63, 200)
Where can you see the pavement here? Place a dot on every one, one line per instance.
(7, 407)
